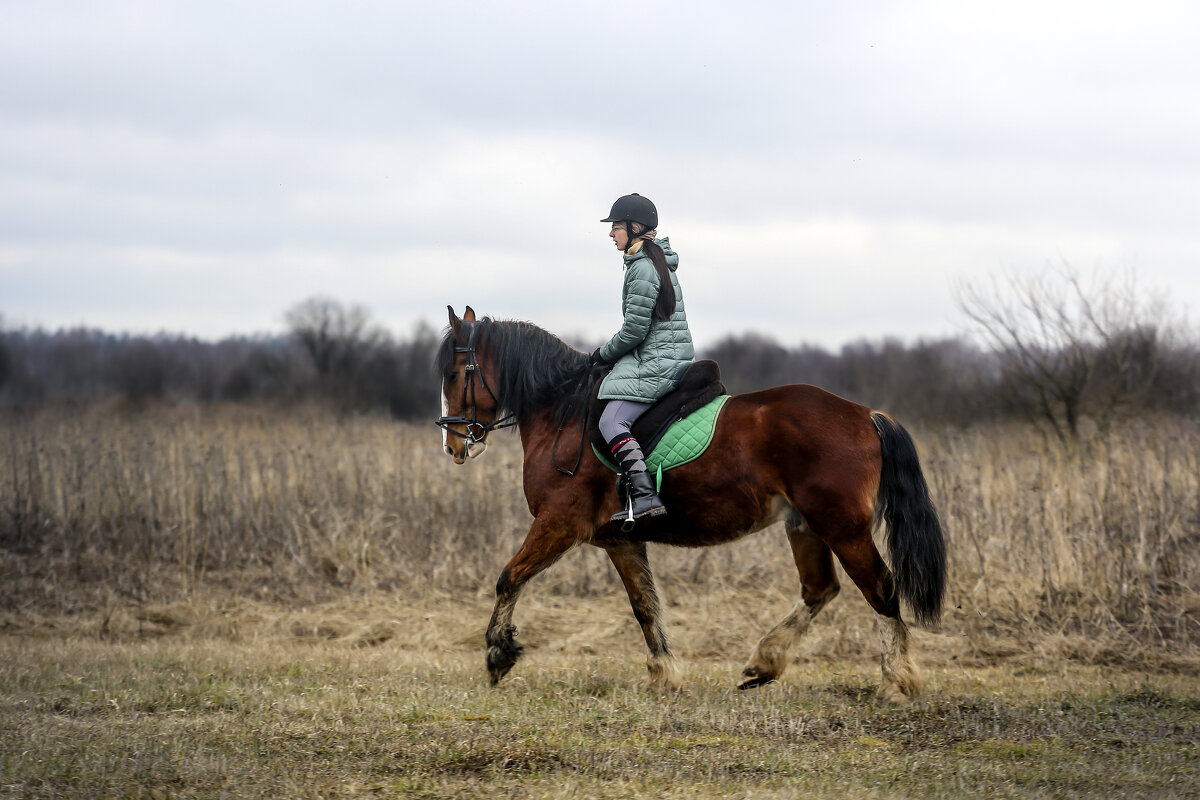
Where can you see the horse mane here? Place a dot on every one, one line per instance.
(535, 369)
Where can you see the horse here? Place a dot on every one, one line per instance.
(830, 469)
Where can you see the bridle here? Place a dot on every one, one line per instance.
(476, 431)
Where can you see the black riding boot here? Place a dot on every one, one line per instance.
(641, 500)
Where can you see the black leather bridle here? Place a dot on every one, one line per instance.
(476, 431)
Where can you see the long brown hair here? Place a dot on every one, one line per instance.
(664, 307)
(643, 240)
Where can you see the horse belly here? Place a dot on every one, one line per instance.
(712, 521)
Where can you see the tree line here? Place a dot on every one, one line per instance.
(1067, 356)
(332, 354)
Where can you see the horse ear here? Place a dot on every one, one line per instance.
(455, 322)
(469, 315)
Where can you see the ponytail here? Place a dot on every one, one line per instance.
(664, 307)
(640, 240)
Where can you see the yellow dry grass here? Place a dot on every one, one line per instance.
(389, 699)
(1095, 553)
(203, 602)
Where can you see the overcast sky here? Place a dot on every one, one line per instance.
(827, 172)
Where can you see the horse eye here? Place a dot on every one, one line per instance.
(451, 374)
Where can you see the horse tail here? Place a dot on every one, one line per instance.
(915, 544)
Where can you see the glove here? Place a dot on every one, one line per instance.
(594, 360)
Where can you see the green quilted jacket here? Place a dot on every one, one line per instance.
(649, 355)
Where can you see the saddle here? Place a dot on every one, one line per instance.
(698, 387)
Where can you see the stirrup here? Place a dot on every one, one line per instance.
(626, 516)
(629, 522)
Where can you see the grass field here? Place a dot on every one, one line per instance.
(386, 698)
(231, 603)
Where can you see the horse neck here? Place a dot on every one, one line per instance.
(548, 449)
(530, 353)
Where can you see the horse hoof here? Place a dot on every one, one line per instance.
(500, 659)
(753, 680)
(498, 668)
(893, 695)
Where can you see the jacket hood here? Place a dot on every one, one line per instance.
(665, 244)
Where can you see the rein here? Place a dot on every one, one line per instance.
(583, 391)
(476, 430)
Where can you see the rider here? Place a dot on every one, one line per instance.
(651, 351)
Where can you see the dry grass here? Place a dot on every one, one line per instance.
(206, 602)
(302, 704)
(1097, 554)
(1102, 544)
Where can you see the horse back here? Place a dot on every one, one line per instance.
(797, 441)
(810, 412)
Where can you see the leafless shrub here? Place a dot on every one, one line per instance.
(340, 339)
(1072, 349)
(359, 367)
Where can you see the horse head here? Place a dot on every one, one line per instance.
(470, 409)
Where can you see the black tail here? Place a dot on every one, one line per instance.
(915, 544)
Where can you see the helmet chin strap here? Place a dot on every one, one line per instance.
(632, 238)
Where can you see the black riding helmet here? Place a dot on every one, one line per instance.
(634, 208)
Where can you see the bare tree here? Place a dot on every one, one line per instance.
(1071, 349)
(341, 340)
(333, 334)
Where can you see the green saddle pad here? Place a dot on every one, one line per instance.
(684, 441)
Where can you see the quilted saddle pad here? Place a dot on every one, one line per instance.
(686, 440)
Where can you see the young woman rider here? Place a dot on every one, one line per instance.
(651, 351)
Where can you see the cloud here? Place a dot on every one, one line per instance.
(205, 166)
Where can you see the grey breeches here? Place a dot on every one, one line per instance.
(618, 417)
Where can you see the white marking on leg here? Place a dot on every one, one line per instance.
(504, 612)
(770, 657)
(664, 672)
(900, 681)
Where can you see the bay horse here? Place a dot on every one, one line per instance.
(828, 468)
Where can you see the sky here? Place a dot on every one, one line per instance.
(827, 172)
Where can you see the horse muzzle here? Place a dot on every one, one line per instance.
(469, 449)
(468, 444)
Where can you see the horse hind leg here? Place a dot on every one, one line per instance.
(634, 568)
(901, 681)
(818, 585)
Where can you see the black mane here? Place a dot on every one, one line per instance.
(535, 369)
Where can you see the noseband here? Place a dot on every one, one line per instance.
(476, 430)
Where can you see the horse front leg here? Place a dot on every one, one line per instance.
(818, 585)
(634, 568)
(548, 539)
